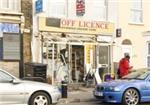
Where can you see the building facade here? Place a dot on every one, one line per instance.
(73, 36)
(10, 25)
(130, 33)
(82, 33)
(134, 24)
(14, 40)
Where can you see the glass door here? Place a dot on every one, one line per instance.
(104, 60)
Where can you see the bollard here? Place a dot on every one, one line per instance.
(64, 89)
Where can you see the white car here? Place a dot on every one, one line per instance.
(15, 91)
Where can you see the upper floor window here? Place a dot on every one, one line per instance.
(10, 5)
(97, 9)
(136, 15)
(5, 4)
(57, 8)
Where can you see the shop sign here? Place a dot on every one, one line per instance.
(80, 7)
(9, 28)
(75, 26)
(104, 38)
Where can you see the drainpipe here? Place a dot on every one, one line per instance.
(21, 61)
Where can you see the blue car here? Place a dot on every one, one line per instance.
(130, 90)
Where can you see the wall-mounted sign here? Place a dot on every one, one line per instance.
(107, 39)
(80, 7)
(118, 32)
(9, 28)
(75, 26)
(39, 6)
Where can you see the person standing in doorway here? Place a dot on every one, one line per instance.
(124, 66)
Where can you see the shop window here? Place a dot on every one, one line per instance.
(136, 14)
(11, 46)
(9, 41)
(126, 42)
(103, 55)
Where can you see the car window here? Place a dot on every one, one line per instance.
(144, 75)
(137, 75)
(4, 77)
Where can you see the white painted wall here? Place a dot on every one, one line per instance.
(10, 5)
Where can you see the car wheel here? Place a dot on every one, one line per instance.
(40, 98)
(131, 97)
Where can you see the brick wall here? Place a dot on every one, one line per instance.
(26, 9)
(11, 67)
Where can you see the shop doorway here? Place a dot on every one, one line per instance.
(104, 60)
(77, 63)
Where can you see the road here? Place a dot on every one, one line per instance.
(95, 103)
(85, 97)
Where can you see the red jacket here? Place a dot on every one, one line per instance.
(124, 67)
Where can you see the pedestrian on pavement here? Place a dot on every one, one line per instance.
(124, 66)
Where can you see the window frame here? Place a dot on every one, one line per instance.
(13, 5)
(53, 6)
(12, 59)
(10, 29)
(135, 10)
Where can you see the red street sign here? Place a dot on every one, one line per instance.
(80, 7)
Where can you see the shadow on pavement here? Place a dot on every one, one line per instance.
(102, 103)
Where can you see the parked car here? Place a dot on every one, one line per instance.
(130, 90)
(15, 91)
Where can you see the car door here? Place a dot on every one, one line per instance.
(145, 90)
(10, 92)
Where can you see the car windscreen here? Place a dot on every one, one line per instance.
(140, 75)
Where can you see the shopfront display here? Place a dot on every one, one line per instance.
(77, 52)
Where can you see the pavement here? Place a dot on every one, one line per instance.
(83, 94)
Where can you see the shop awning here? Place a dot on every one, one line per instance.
(76, 39)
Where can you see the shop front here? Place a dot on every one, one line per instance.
(73, 48)
(10, 42)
